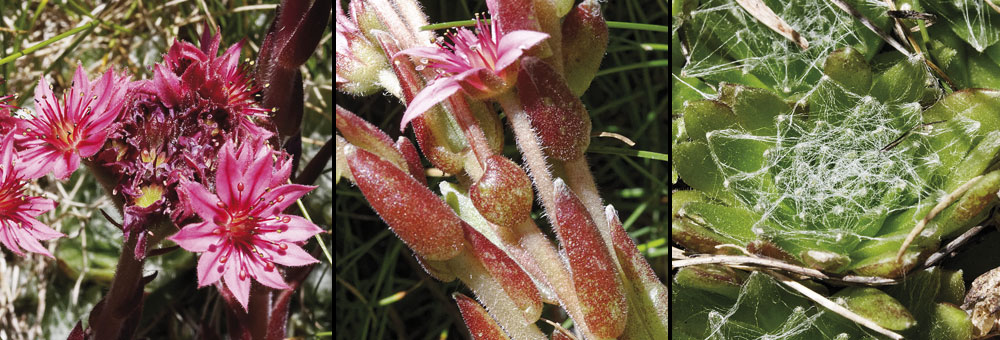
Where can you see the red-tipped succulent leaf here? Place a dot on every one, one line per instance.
(503, 195)
(290, 41)
(594, 272)
(363, 134)
(647, 294)
(515, 282)
(421, 219)
(585, 40)
(405, 147)
(557, 115)
(480, 323)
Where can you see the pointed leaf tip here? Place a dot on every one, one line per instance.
(593, 270)
(515, 282)
(481, 324)
(421, 219)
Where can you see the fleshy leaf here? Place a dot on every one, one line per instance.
(557, 116)
(877, 306)
(515, 282)
(424, 222)
(593, 270)
(585, 40)
(481, 324)
(363, 134)
(647, 296)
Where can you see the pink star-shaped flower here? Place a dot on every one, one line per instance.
(64, 131)
(476, 62)
(18, 226)
(244, 233)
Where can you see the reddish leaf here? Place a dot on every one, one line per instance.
(367, 136)
(515, 282)
(647, 295)
(480, 324)
(292, 38)
(585, 40)
(409, 152)
(503, 195)
(594, 272)
(557, 115)
(422, 220)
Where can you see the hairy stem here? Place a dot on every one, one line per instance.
(531, 150)
(472, 273)
(259, 306)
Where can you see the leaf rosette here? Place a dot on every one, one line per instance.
(837, 179)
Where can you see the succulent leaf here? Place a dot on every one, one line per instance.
(585, 40)
(646, 295)
(424, 222)
(481, 324)
(877, 306)
(558, 116)
(515, 282)
(594, 271)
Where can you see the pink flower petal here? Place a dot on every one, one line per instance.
(435, 92)
(78, 95)
(36, 206)
(30, 243)
(294, 256)
(197, 237)
(283, 197)
(202, 202)
(90, 146)
(513, 44)
(65, 165)
(297, 229)
(40, 231)
(228, 173)
(255, 180)
(239, 288)
(209, 267)
(270, 278)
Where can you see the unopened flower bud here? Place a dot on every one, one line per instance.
(359, 61)
(503, 195)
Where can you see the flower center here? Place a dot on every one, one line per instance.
(64, 134)
(11, 196)
(241, 226)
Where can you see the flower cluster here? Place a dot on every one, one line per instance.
(191, 145)
(176, 122)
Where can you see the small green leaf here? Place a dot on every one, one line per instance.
(877, 306)
(950, 323)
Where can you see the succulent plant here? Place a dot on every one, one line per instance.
(481, 229)
(847, 161)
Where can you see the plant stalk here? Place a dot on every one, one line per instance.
(531, 150)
